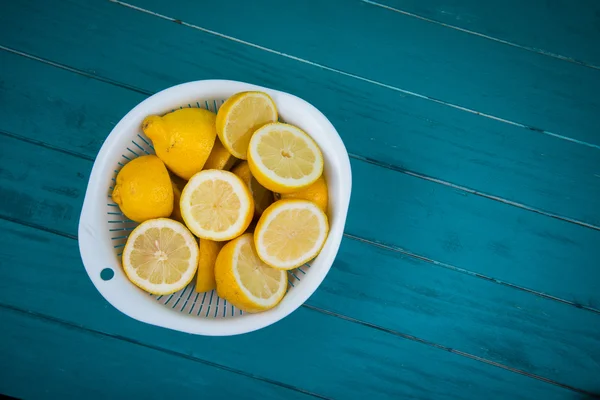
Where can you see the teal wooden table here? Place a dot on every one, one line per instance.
(470, 267)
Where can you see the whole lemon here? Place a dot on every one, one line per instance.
(143, 190)
(183, 139)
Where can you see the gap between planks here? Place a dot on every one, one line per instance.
(346, 318)
(474, 192)
(450, 350)
(451, 267)
(392, 332)
(388, 247)
(506, 42)
(74, 326)
(353, 156)
(354, 76)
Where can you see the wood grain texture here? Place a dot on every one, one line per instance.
(408, 133)
(435, 221)
(559, 28)
(415, 55)
(325, 355)
(64, 361)
(370, 284)
(363, 320)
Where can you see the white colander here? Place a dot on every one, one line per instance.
(103, 229)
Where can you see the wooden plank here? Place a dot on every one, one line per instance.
(310, 350)
(462, 312)
(435, 221)
(59, 128)
(65, 361)
(414, 55)
(559, 28)
(411, 134)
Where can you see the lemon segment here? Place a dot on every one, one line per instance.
(143, 189)
(283, 158)
(216, 205)
(317, 193)
(160, 256)
(240, 116)
(219, 158)
(244, 280)
(176, 214)
(183, 139)
(262, 197)
(290, 233)
(205, 277)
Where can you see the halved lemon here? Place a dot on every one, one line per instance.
(244, 280)
(216, 205)
(283, 158)
(161, 256)
(290, 233)
(240, 116)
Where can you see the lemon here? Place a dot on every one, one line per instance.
(205, 278)
(176, 214)
(143, 189)
(261, 196)
(251, 227)
(240, 116)
(161, 256)
(219, 158)
(290, 233)
(183, 139)
(244, 280)
(283, 158)
(178, 185)
(216, 205)
(317, 193)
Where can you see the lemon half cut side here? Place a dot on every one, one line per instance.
(160, 256)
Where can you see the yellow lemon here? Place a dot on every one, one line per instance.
(161, 256)
(251, 227)
(176, 214)
(290, 233)
(178, 185)
(205, 277)
(283, 158)
(240, 116)
(262, 197)
(216, 205)
(143, 189)
(317, 193)
(244, 280)
(183, 139)
(219, 158)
